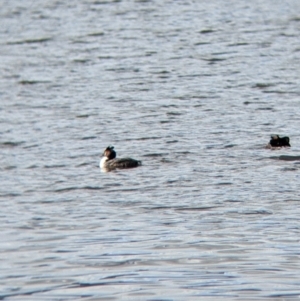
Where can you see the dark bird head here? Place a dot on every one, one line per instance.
(285, 141)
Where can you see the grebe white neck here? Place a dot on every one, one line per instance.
(103, 161)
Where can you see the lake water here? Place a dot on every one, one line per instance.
(194, 89)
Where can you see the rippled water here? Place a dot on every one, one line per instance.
(193, 89)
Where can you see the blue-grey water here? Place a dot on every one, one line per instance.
(194, 89)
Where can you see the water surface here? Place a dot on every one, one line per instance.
(194, 89)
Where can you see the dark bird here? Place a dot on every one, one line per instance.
(277, 141)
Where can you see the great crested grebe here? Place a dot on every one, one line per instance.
(110, 162)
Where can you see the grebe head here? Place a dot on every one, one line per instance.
(109, 153)
(274, 137)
